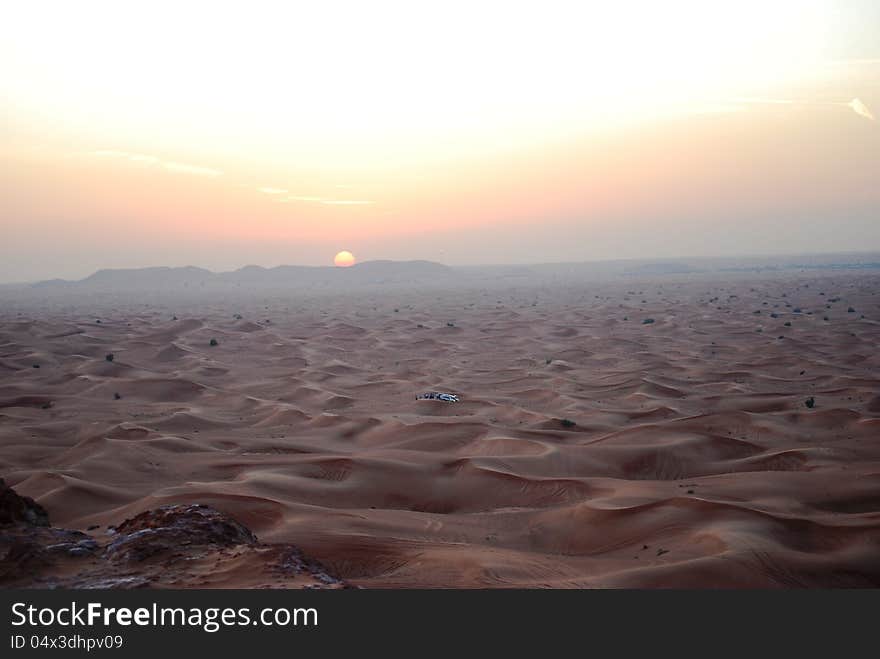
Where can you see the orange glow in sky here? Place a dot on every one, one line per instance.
(221, 134)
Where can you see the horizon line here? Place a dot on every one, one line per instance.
(457, 266)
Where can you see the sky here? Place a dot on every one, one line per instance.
(225, 134)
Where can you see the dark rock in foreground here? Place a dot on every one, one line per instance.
(173, 528)
(16, 509)
(176, 546)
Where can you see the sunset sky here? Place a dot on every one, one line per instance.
(223, 134)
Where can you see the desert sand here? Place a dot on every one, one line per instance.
(733, 442)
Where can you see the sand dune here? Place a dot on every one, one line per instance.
(717, 446)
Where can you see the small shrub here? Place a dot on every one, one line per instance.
(810, 402)
(109, 357)
(648, 321)
(214, 342)
(567, 423)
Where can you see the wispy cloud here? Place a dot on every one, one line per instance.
(714, 108)
(300, 198)
(318, 200)
(860, 109)
(857, 60)
(278, 194)
(195, 170)
(855, 105)
(126, 155)
(751, 100)
(153, 161)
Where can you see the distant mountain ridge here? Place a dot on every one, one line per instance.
(424, 272)
(147, 275)
(368, 272)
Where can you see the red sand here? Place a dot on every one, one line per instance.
(693, 462)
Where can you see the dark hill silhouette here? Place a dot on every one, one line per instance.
(159, 276)
(190, 277)
(395, 270)
(381, 272)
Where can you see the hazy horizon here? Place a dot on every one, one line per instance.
(463, 134)
(746, 260)
(584, 294)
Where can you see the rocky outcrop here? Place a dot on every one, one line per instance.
(16, 509)
(28, 545)
(173, 529)
(179, 546)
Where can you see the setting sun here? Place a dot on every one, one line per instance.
(402, 127)
(605, 250)
(344, 259)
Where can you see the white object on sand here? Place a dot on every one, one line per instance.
(437, 395)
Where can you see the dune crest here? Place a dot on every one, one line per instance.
(730, 443)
